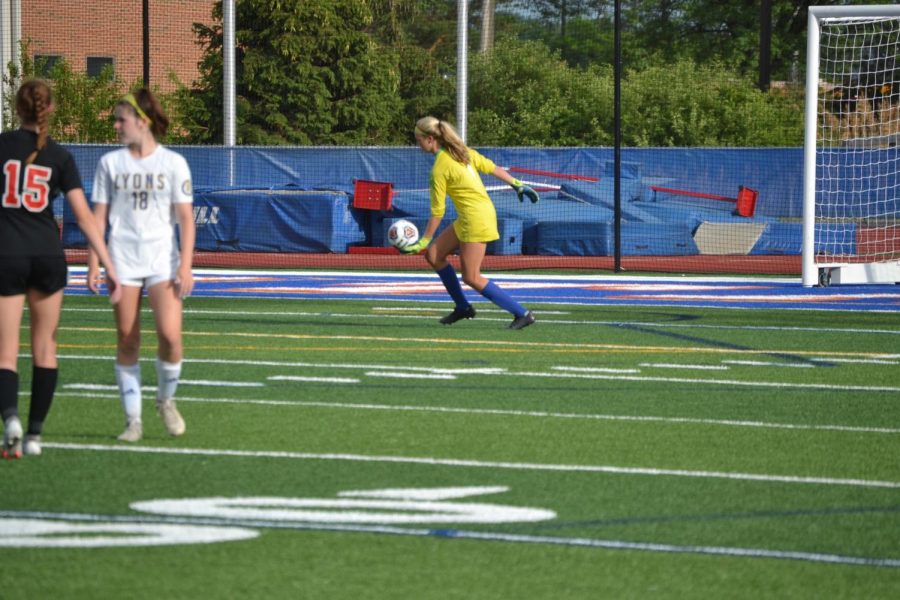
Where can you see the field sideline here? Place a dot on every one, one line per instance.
(348, 446)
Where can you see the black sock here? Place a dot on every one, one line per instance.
(9, 394)
(43, 386)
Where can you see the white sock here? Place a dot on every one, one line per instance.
(128, 378)
(167, 375)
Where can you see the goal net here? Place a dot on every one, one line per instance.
(851, 212)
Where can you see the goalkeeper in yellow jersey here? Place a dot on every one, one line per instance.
(456, 174)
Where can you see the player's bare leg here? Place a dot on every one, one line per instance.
(167, 311)
(128, 369)
(45, 310)
(11, 308)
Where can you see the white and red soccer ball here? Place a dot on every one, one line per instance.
(402, 233)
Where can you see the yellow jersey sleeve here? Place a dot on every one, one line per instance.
(482, 163)
(461, 182)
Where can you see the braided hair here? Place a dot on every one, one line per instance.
(33, 105)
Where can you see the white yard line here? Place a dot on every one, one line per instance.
(554, 375)
(516, 413)
(684, 366)
(762, 363)
(452, 533)
(483, 464)
(313, 379)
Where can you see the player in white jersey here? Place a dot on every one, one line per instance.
(142, 191)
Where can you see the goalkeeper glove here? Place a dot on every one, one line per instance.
(417, 247)
(523, 190)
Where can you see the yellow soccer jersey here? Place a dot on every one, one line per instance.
(477, 221)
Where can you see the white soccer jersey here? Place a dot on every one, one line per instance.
(142, 194)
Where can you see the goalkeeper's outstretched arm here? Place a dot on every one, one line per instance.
(521, 189)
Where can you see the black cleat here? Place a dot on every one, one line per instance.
(523, 321)
(459, 314)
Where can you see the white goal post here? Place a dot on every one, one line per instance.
(851, 170)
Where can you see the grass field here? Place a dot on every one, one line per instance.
(350, 449)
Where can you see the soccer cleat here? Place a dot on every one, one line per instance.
(12, 438)
(32, 445)
(458, 314)
(171, 417)
(134, 431)
(523, 321)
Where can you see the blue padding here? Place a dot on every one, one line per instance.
(510, 241)
(603, 194)
(694, 211)
(596, 239)
(629, 170)
(280, 220)
(255, 220)
(773, 172)
(787, 238)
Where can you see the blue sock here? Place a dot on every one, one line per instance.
(493, 293)
(448, 277)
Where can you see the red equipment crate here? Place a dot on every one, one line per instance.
(372, 195)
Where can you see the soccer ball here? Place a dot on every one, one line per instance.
(402, 233)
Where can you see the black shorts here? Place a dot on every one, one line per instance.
(47, 274)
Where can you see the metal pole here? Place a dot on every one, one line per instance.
(228, 80)
(229, 110)
(10, 35)
(5, 56)
(617, 135)
(809, 274)
(487, 26)
(462, 73)
(146, 45)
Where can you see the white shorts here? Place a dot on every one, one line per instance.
(145, 265)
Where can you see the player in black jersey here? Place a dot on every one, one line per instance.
(33, 171)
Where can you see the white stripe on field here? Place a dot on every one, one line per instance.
(99, 387)
(313, 379)
(402, 375)
(679, 366)
(217, 383)
(519, 413)
(623, 377)
(197, 382)
(865, 361)
(762, 363)
(481, 464)
(464, 534)
(766, 384)
(672, 548)
(593, 370)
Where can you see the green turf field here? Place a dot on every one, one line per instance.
(348, 449)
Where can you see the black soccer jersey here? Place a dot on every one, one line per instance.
(27, 225)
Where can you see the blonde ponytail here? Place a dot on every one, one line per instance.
(446, 135)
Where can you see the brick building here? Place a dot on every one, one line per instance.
(90, 35)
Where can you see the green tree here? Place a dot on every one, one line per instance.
(419, 38)
(83, 105)
(308, 73)
(686, 104)
(528, 95)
